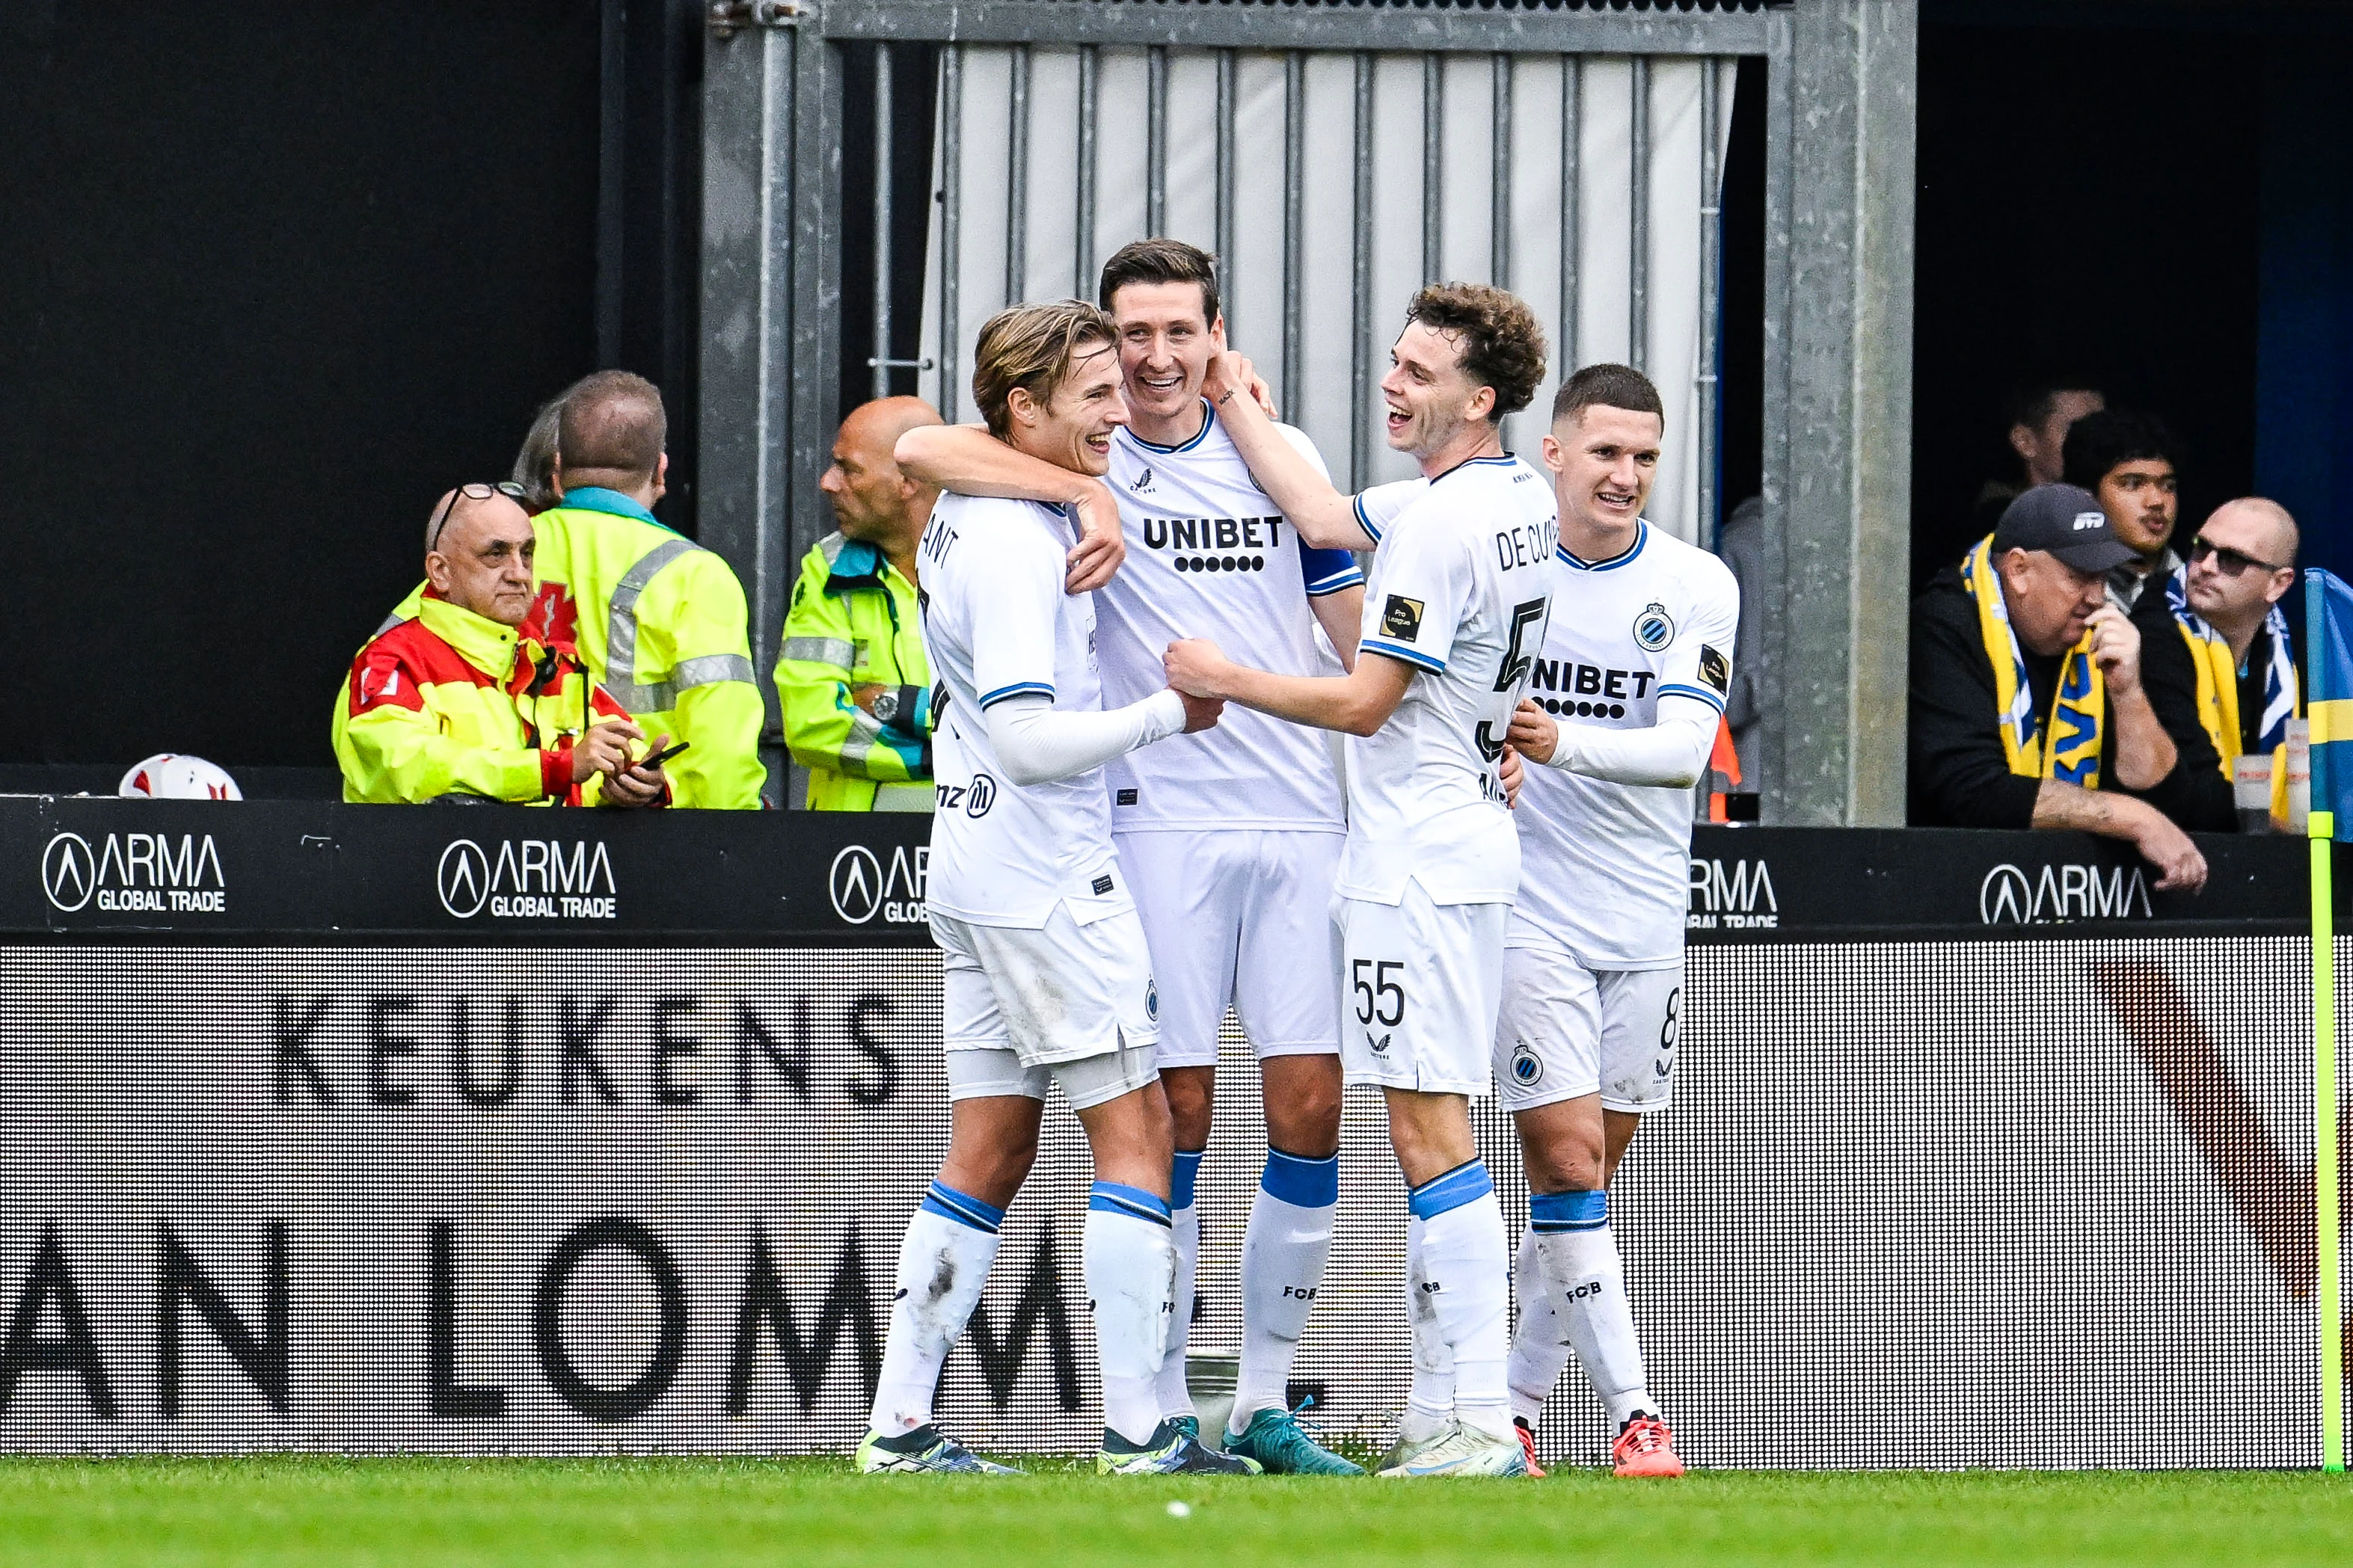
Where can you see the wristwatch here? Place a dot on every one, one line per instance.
(887, 704)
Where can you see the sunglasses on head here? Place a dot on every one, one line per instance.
(2231, 562)
(507, 487)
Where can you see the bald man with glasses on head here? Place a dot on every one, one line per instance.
(2216, 658)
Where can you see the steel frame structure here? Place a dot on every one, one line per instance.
(1841, 82)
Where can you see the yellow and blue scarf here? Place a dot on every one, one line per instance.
(2067, 749)
(2218, 678)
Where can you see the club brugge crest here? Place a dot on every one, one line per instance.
(1526, 1065)
(1654, 628)
(1152, 999)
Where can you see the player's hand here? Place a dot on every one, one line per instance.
(604, 749)
(2167, 848)
(2116, 648)
(637, 784)
(1229, 374)
(1102, 547)
(1201, 712)
(1196, 667)
(1533, 731)
(1513, 776)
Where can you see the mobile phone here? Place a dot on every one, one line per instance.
(658, 758)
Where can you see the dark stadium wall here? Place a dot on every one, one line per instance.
(2088, 209)
(278, 274)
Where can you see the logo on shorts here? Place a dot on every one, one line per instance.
(1101, 886)
(1402, 618)
(980, 796)
(1152, 999)
(1380, 1046)
(1527, 1067)
(1654, 628)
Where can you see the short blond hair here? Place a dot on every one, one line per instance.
(1033, 347)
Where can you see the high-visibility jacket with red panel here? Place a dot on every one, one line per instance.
(660, 624)
(448, 702)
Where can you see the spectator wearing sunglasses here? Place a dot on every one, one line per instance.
(2129, 460)
(659, 621)
(454, 704)
(2216, 662)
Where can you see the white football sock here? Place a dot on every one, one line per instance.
(1540, 1345)
(943, 1263)
(1588, 1291)
(1184, 1233)
(1131, 1268)
(1284, 1249)
(1467, 1266)
(1431, 1403)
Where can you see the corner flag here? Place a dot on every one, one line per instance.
(2329, 681)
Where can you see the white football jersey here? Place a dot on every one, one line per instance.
(1606, 868)
(997, 625)
(1209, 555)
(1461, 584)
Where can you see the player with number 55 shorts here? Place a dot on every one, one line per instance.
(1455, 613)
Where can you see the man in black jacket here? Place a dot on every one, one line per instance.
(2059, 735)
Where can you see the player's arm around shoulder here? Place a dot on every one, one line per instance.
(1281, 459)
(967, 460)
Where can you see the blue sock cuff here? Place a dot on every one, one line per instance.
(1183, 1172)
(963, 1208)
(1466, 1184)
(1300, 1183)
(1112, 1198)
(1568, 1211)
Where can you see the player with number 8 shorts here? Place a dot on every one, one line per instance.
(1461, 581)
(1230, 838)
(1623, 712)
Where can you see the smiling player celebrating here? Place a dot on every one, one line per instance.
(1231, 838)
(1623, 711)
(1456, 611)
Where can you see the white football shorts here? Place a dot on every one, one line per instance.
(1419, 985)
(1026, 1006)
(1241, 919)
(1566, 1031)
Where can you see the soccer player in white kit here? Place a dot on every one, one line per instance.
(1623, 709)
(1231, 837)
(1461, 582)
(1044, 972)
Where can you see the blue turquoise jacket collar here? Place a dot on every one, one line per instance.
(596, 497)
(857, 566)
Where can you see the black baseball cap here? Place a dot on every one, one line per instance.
(2066, 521)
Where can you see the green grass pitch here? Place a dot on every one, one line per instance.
(648, 1513)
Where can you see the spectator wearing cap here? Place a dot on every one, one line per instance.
(2128, 460)
(2216, 658)
(2027, 706)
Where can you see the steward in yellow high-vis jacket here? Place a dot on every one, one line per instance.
(659, 621)
(854, 625)
(851, 681)
(454, 702)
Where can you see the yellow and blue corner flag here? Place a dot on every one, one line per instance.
(2329, 681)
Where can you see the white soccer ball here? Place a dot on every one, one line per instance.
(167, 776)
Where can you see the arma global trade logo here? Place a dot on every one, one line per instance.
(2062, 892)
(527, 879)
(1741, 898)
(134, 873)
(863, 889)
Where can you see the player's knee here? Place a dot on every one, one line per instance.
(1305, 1120)
(1192, 1100)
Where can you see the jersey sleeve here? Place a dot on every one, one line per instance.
(1327, 570)
(1015, 586)
(1699, 662)
(1380, 507)
(1425, 591)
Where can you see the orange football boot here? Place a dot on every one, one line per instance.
(1646, 1447)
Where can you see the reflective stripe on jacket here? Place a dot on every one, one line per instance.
(854, 621)
(660, 624)
(441, 705)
